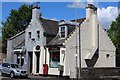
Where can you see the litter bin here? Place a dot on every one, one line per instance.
(45, 69)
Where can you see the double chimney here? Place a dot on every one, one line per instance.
(90, 10)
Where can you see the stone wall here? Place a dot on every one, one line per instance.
(108, 72)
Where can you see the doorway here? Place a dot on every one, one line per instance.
(37, 61)
(30, 58)
(20, 59)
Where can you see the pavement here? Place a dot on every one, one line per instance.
(31, 77)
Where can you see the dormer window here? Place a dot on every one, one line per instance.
(62, 31)
(29, 34)
(38, 35)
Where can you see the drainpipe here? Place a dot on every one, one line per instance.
(45, 53)
(79, 54)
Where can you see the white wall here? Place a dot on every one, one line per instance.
(88, 41)
(41, 60)
(106, 47)
(9, 51)
(34, 26)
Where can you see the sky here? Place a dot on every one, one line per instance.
(107, 11)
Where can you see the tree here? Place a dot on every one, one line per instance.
(16, 22)
(114, 34)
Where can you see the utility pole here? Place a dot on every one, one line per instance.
(79, 45)
(76, 54)
(79, 53)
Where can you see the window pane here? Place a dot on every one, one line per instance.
(29, 34)
(38, 35)
(54, 57)
(22, 61)
(62, 29)
(14, 66)
(62, 32)
(18, 59)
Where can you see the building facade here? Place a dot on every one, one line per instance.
(69, 44)
(96, 48)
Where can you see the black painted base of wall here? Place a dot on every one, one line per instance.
(105, 73)
(101, 73)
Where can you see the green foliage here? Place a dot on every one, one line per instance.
(114, 34)
(16, 22)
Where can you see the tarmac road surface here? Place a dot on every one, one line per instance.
(32, 78)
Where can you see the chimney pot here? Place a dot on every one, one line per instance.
(35, 12)
(90, 10)
(37, 7)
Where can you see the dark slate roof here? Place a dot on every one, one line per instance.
(79, 20)
(22, 32)
(19, 45)
(51, 30)
(50, 26)
(18, 41)
(58, 41)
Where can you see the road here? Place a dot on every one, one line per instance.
(32, 78)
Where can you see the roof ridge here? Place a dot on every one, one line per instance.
(49, 19)
(19, 43)
(78, 19)
(57, 36)
(17, 34)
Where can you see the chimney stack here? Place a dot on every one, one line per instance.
(36, 12)
(90, 10)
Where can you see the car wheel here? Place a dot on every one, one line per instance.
(12, 74)
(2, 74)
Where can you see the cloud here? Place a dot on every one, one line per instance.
(90, 1)
(77, 5)
(107, 15)
(82, 4)
(54, 19)
(29, 3)
(119, 7)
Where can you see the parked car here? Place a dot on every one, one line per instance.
(13, 70)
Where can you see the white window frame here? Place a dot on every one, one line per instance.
(38, 35)
(29, 34)
(60, 32)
